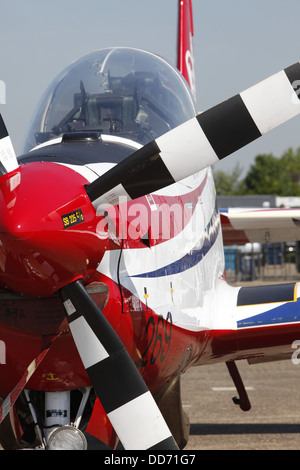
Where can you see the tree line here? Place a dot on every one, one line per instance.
(269, 174)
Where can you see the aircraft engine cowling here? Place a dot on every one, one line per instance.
(48, 229)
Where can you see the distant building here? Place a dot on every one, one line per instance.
(252, 261)
(267, 200)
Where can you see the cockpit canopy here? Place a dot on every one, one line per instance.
(121, 91)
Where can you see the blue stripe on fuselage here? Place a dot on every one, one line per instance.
(194, 256)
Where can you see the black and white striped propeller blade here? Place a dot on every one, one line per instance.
(118, 384)
(8, 159)
(203, 140)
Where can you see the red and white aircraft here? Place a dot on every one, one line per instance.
(112, 268)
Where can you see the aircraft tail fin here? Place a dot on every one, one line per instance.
(185, 62)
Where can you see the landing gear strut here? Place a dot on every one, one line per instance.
(242, 400)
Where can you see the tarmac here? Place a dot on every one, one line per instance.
(216, 423)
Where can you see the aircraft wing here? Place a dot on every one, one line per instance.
(240, 226)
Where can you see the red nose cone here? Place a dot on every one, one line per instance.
(48, 233)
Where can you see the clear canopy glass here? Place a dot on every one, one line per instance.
(121, 91)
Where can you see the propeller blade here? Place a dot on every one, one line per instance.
(8, 159)
(203, 140)
(118, 384)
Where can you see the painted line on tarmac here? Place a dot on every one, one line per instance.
(226, 389)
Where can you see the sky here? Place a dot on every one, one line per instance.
(237, 43)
